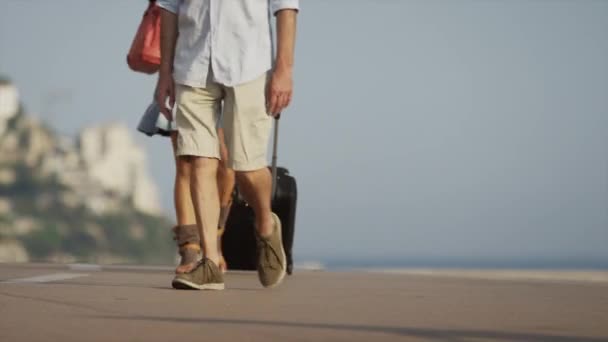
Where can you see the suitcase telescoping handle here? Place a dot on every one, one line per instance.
(275, 143)
(275, 140)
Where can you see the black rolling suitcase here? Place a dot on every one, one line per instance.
(238, 241)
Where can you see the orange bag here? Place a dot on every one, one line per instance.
(144, 55)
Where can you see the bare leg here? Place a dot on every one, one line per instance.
(257, 186)
(226, 181)
(183, 205)
(205, 197)
(182, 197)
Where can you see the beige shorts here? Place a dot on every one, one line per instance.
(245, 121)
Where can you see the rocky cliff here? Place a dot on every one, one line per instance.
(87, 198)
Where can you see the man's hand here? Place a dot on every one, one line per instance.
(280, 90)
(166, 88)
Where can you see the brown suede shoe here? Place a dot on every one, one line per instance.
(206, 276)
(271, 256)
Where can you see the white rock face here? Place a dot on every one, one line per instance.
(40, 143)
(9, 103)
(103, 169)
(112, 158)
(5, 206)
(7, 176)
(12, 251)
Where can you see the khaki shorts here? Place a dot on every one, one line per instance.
(245, 121)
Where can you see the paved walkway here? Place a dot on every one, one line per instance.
(60, 303)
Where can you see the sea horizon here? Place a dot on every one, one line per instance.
(339, 264)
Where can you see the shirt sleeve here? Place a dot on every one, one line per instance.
(170, 5)
(277, 5)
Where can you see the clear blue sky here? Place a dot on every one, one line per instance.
(454, 130)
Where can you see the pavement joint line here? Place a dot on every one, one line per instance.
(47, 278)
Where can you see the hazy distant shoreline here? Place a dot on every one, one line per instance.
(551, 273)
(538, 265)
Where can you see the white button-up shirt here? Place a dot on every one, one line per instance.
(230, 37)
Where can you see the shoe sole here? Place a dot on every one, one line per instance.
(284, 263)
(181, 284)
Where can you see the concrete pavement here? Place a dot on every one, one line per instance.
(90, 303)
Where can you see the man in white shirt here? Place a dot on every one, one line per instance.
(216, 51)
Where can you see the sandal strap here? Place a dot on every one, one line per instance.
(193, 246)
(189, 256)
(185, 235)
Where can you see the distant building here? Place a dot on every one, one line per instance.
(9, 102)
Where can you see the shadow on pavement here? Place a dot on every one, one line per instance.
(442, 334)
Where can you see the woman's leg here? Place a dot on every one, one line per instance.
(226, 179)
(189, 243)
